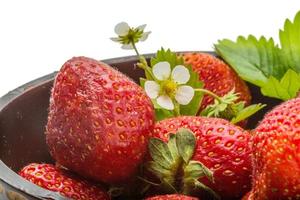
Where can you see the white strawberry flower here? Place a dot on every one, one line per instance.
(169, 85)
(129, 36)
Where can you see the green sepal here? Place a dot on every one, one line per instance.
(179, 150)
(244, 113)
(185, 142)
(158, 169)
(172, 145)
(283, 89)
(160, 153)
(192, 172)
(196, 169)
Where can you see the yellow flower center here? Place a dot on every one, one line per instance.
(169, 88)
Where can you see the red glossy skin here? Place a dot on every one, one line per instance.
(222, 147)
(172, 197)
(59, 180)
(248, 196)
(99, 121)
(276, 158)
(217, 77)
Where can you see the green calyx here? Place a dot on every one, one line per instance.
(226, 107)
(133, 36)
(172, 164)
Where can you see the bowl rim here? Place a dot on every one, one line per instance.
(11, 95)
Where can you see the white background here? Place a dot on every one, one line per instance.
(38, 36)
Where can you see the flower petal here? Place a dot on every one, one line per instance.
(145, 36)
(115, 39)
(184, 94)
(122, 29)
(180, 74)
(165, 102)
(152, 89)
(142, 27)
(161, 70)
(127, 46)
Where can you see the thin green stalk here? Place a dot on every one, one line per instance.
(176, 109)
(209, 93)
(147, 181)
(143, 63)
(135, 49)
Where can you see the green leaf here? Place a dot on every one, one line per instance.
(284, 89)
(290, 43)
(161, 114)
(160, 153)
(247, 112)
(167, 55)
(254, 60)
(185, 142)
(226, 108)
(264, 64)
(193, 107)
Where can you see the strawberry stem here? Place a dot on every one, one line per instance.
(209, 93)
(142, 61)
(176, 109)
(135, 49)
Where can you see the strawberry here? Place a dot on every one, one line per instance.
(220, 146)
(59, 180)
(248, 196)
(172, 197)
(99, 121)
(276, 153)
(282, 118)
(276, 164)
(217, 77)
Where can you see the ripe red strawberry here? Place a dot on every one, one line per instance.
(276, 153)
(99, 121)
(59, 180)
(222, 147)
(284, 117)
(217, 77)
(276, 165)
(248, 196)
(172, 197)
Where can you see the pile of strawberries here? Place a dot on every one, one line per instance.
(101, 124)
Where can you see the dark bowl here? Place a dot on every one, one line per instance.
(23, 116)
